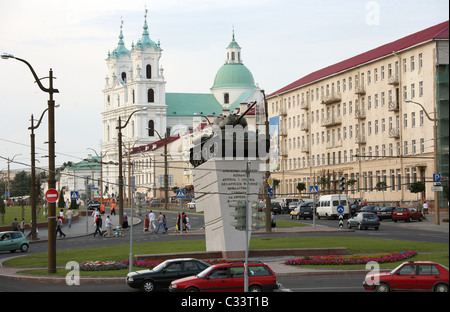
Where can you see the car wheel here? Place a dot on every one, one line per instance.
(291, 216)
(376, 228)
(148, 286)
(360, 227)
(395, 220)
(255, 288)
(441, 288)
(24, 248)
(349, 225)
(192, 289)
(382, 287)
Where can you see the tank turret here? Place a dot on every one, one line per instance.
(228, 141)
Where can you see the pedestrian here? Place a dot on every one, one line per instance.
(425, 207)
(109, 226)
(165, 222)
(152, 218)
(125, 221)
(113, 209)
(22, 226)
(183, 220)
(61, 215)
(146, 223)
(15, 225)
(59, 225)
(188, 224)
(160, 223)
(69, 215)
(273, 223)
(178, 225)
(98, 225)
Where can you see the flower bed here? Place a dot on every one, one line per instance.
(354, 259)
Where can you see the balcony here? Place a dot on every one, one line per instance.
(360, 139)
(394, 133)
(361, 89)
(331, 121)
(393, 106)
(305, 148)
(393, 80)
(360, 114)
(331, 98)
(334, 143)
(304, 126)
(304, 105)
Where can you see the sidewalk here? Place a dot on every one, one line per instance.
(84, 227)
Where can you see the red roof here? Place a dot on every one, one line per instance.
(153, 146)
(440, 31)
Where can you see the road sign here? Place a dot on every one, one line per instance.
(51, 195)
(270, 192)
(73, 194)
(340, 209)
(314, 189)
(270, 181)
(436, 177)
(181, 193)
(437, 188)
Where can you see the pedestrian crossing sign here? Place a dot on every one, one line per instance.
(181, 193)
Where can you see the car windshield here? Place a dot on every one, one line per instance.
(160, 266)
(205, 272)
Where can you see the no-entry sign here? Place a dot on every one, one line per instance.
(51, 195)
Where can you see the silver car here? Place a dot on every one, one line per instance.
(364, 220)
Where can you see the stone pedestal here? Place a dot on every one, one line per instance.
(218, 183)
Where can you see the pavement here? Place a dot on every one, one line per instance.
(83, 227)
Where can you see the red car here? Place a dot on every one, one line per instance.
(406, 214)
(228, 277)
(414, 275)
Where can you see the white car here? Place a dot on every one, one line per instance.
(191, 205)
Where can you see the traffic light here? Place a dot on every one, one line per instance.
(341, 184)
(257, 216)
(239, 215)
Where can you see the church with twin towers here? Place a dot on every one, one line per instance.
(135, 86)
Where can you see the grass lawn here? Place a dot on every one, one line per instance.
(25, 212)
(427, 251)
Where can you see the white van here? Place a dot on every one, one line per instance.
(328, 206)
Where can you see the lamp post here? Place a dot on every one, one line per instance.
(166, 174)
(434, 120)
(51, 160)
(120, 127)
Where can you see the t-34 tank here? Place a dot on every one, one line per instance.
(231, 139)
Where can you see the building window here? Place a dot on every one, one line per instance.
(151, 128)
(226, 98)
(150, 96)
(148, 71)
(124, 76)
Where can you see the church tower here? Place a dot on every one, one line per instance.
(134, 82)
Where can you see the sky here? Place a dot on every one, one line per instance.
(281, 41)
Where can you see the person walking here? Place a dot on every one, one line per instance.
(160, 223)
(109, 226)
(69, 215)
(15, 225)
(125, 221)
(152, 218)
(146, 224)
(98, 225)
(59, 225)
(425, 207)
(22, 226)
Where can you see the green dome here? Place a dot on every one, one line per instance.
(234, 75)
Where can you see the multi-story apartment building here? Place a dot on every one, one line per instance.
(353, 119)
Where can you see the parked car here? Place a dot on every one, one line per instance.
(276, 208)
(303, 210)
(191, 205)
(364, 220)
(94, 204)
(406, 214)
(13, 240)
(373, 209)
(413, 275)
(228, 277)
(385, 213)
(161, 275)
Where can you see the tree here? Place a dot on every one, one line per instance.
(276, 183)
(417, 187)
(301, 186)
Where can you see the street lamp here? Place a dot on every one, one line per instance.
(51, 160)
(120, 127)
(33, 173)
(434, 120)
